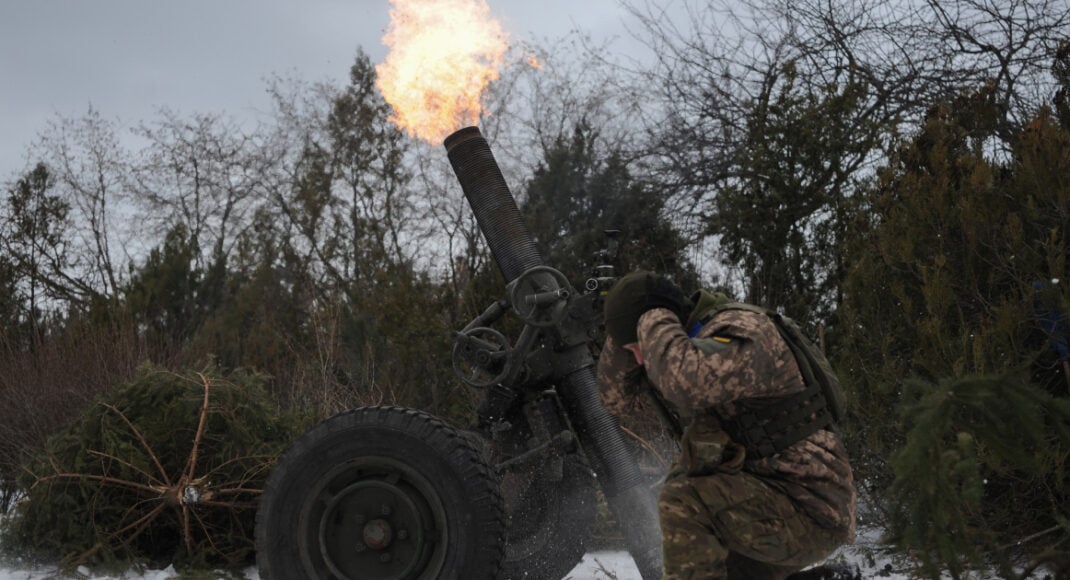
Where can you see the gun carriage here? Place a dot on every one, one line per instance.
(387, 493)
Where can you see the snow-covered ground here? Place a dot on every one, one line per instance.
(874, 560)
(865, 553)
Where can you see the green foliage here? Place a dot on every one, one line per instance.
(32, 238)
(577, 193)
(1061, 71)
(973, 444)
(946, 266)
(369, 194)
(263, 322)
(166, 293)
(959, 278)
(398, 336)
(386, 339)
(166, 468)
(12, 307)
(783, 218)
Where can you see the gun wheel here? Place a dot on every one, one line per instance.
(381, 493)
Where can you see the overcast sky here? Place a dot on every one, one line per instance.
(127, 58)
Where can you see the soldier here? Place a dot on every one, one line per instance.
(737, 503)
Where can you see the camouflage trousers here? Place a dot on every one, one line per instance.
(734, 526)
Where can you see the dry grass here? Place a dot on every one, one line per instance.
(44, 389)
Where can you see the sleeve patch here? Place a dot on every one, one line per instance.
(714, 344)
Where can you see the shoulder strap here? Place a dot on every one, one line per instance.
(769, 426)
(814, 366)
(703, 313)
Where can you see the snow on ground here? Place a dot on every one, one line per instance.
(874, 560)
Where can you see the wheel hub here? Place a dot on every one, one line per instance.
(374, 529)
(378, 534)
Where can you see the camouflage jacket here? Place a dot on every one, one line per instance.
(737, 355)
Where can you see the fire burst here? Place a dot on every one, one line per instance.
(443, 53)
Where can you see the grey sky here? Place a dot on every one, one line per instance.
(130, 57)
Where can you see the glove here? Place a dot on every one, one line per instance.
(662, 293)
(635, 294)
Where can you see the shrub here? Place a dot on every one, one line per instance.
(165, 469)
(983, 466)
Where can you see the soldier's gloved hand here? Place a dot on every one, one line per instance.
(635, 294)
(662, 293)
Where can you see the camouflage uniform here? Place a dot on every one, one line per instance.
(723, 515)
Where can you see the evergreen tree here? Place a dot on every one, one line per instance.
(959, 279)
(370, 192)
(578, 192)
(309, 212)
(165, 293)
(981, 468)
(259, 325)
(166, 469)
(1061, 71)
(36, 243)
(346, 205)
(263, 320)
(12, 307)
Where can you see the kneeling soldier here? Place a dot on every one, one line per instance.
(762, 486)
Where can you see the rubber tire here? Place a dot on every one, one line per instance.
(550, 523)
(414, 457)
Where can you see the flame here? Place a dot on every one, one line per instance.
(443, 54)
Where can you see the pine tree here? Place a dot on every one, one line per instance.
(370, 193)
(12, 308)
(165, 293)
(578, 192)
(36, 246)
(956, 276)
(165, 469)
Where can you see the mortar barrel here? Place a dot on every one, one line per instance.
(514, 251)
(494, 206)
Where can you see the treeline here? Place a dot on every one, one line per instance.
(895, 178)
(314, 249)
